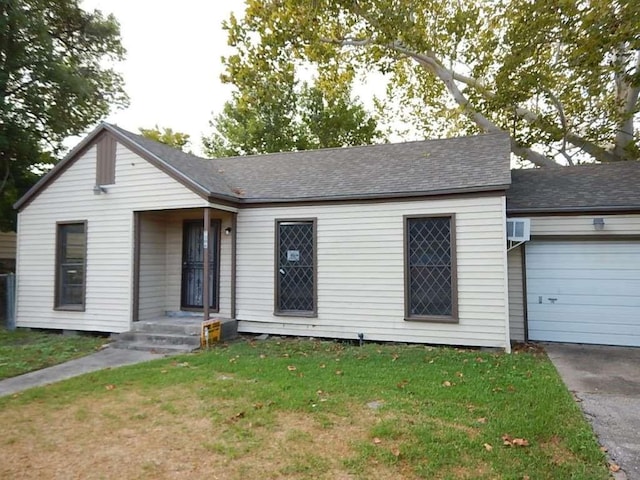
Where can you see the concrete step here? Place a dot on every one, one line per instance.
(170, 334)
(159, 338)
(154, 347)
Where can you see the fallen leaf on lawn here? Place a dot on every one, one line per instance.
(395, 451)
(511, 388)
(291, 368)
(459, 374)
(110, 387)
(488, 447)
(377, 441)
(514, 442)
(285, 355)
(183, 364)
(526, 477)
(604, 449)
(394, 357)
(262, 355)
(614, 468)
(232, 360)
(322, 365)
(479, 359)
(257, 406)
(403, 383)
(481, 420)
(237, 417)
(338, 372)
(446, 383)
(163, 371)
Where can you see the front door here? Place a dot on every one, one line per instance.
(193, 264)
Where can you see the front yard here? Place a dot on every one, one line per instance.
(23, 350)
(305, 409)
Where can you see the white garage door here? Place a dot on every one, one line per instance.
(584, 292)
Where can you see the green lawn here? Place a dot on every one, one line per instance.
(23, 351)
(310, 409)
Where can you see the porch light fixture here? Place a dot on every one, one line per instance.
(227, 231)
(598, 223)
(97, 190)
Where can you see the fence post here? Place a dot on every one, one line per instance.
(11, 302)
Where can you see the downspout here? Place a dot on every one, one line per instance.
(234, 226)
(205, 271)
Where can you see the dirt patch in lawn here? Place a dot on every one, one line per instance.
(176, 434)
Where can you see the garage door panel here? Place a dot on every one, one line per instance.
(594, 338)
(598, 314)
(585, 287)
(596, 287)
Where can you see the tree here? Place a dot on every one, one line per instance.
(273, 113)
(167, 136)
(563, 77)
(55, 81)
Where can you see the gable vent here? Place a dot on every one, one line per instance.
(518, 229)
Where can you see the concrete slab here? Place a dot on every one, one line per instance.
(106, 358)
(607, 381)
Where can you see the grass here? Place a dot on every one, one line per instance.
(23, 351)
(307, 409)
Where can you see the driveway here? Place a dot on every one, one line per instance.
(607, 381)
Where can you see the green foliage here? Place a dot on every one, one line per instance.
(55, 81)
(272, 113)
(562, 76)
(167, 136)
(23, 351)
(436, 408)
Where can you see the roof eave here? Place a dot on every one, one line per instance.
(567, 210)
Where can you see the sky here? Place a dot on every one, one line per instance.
(172, 67)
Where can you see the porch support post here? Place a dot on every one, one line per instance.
(135, 303)
(205, 272)
(234, 232)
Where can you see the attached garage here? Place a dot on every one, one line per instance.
(584, 291)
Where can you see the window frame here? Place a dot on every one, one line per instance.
(57, 297)
(408, 316)
(276, 264)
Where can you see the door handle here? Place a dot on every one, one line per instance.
(552, 300)
(282, 272)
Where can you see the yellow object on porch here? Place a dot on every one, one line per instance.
(209, 333)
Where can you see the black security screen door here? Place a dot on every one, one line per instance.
(193, 264)
(295, 273)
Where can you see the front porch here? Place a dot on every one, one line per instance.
(184, 269)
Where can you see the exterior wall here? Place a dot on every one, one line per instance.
(139, 186)
(361, 272)
(153, 232)
(516, 295)
(583, 225)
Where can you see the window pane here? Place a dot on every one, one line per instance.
(71, 264)
(296, 267)
(430, 285)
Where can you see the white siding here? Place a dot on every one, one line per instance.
(583, 225)
(153, 232)
(516, 295)
(139, 186)
(361, 272)
(7, 245)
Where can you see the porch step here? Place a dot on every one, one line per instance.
(170, 335)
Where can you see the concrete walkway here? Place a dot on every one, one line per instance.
(106, 358)
(606, 380)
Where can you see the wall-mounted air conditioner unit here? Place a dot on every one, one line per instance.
(518, 229)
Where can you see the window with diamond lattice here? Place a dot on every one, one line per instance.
(295, 263)
(430, 267)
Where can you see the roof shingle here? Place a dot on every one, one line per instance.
(595, 187)
(429, 167)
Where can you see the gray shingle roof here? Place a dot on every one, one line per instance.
(430, 167)
(595, 187)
